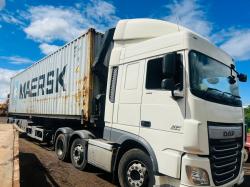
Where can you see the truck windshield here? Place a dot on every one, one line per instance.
(209, 80)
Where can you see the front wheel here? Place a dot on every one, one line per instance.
(78, 154)
(135, 169)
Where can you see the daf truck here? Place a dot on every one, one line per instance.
(149, 101)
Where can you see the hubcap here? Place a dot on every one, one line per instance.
(78, 154)
(136, 174)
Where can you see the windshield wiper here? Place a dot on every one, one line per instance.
(210, 91)
(218, 94)
(235, 96)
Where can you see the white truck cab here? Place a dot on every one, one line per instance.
(187, 114)
(149, 101)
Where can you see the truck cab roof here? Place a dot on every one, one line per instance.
(149, 37)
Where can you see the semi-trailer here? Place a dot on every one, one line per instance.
(149, 101)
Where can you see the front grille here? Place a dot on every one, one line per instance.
(225, 159)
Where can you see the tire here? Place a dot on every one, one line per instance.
(78, 153)
(246, 155)
(61, 147)
(135, 169)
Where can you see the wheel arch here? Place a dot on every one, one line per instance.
(129, 141)
(83, 134)
(132, 144)
(62, 130)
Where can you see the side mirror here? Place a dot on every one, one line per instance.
(242, 77)
(231, 79)
(169, 65)
(168, 84)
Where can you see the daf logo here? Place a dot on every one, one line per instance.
(228, 133)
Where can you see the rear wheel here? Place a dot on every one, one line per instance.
(78, 153)
(135, 169)
(61, 147)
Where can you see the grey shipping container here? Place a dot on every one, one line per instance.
(59, 85)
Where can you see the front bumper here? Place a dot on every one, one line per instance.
(196, 161)
(204, 163)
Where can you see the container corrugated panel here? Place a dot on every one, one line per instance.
(59, 84)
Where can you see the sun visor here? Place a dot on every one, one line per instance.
(133, 29)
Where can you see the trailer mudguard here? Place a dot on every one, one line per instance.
(65, 130)
(83, 134)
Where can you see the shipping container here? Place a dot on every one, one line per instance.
(59, 85)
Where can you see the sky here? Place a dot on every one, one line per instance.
(31, 29)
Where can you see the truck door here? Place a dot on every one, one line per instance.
(127, 114)
(162, 116)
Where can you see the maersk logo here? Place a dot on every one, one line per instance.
(47, 83)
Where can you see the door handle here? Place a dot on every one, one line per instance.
(145, 123)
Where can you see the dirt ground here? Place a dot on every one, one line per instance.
(40, 167)
(247, 175)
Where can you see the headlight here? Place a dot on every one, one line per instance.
(197, 176)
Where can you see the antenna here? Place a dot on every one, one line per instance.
(178, 20)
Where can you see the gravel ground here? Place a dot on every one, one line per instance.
(40, 167)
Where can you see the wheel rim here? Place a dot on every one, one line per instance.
(59, 147)
(78, 154)
(136, 174)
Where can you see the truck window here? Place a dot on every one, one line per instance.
(113, 84)
(132, 73)
(154, 74)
